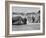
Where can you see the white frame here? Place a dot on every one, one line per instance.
(24, 32)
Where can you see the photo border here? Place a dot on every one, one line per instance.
(33, 31)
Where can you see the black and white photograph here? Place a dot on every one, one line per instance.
(25, 18)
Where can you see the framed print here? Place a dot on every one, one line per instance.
(24, 18)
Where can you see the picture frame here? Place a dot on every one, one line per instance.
(23, 4)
